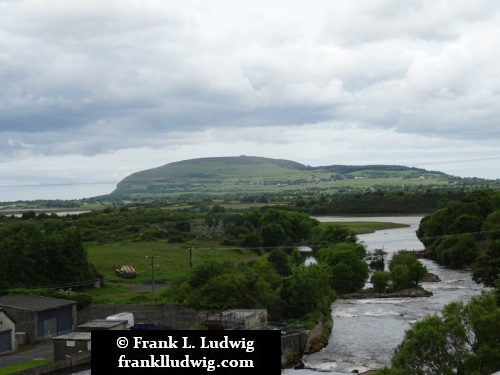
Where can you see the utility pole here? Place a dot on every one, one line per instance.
(152, 257)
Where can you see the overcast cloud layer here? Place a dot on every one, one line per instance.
(93, 91)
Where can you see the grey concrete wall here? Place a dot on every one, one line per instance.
(256, 320)
(176, 317)
(8, 325)
(25, 322)
(292, 348)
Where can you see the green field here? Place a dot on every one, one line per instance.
(172, 261)
(362, 227)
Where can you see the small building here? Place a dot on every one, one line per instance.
(40, 318)
(71, 344)
(7, 333)
(102, 324)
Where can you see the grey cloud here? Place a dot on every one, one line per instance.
(89, 21)
(119, 74)
(365, 21)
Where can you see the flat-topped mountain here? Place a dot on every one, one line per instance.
(253, 174)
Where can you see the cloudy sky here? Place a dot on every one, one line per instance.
(92, 91)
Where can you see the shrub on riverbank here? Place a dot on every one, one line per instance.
(464, 339)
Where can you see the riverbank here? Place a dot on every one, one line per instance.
(407, 293)
(316, 336)
(316, 342)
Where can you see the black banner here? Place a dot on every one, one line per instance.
(186, 352)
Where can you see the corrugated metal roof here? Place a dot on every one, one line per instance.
(33, 303)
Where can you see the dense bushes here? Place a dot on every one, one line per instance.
(39, 253)
(277, 282)
(405, 271)
(462, 340)
(458, 234)
(348, 269)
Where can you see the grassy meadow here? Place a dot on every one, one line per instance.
(173, 261)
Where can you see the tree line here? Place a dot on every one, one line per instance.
(381, 200)
(466, 234)
(37, 253)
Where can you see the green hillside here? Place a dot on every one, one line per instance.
(256, 175)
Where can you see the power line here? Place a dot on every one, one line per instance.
(456, 161)
(411, 165)
(191, 248)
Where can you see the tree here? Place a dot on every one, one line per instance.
(226, 291)
(464, 340)
(431, 346)
(482, 199)
(400, 276)
(466, 223)
(202, 273)
(378, 260)
(297, 226)
(487, 268)
(380, 281)
(349, 270)
(431, 227)
(334, 234)
(492, 225)
(406, 270)
(402, 257)
(216, 214)
(457, 251)
(266, 271)
(280, 261)
(307, 290)
(273, 235)
(251, 239)
(417, 272)
(35, 254)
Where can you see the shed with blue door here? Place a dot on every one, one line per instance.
(40, 318)
(7, 333)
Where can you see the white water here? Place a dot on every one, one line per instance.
(366, 332)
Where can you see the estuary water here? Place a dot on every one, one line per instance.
(366, 332)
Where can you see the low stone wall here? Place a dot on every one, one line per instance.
(77, 359)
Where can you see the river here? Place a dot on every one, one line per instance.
(366, 332)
